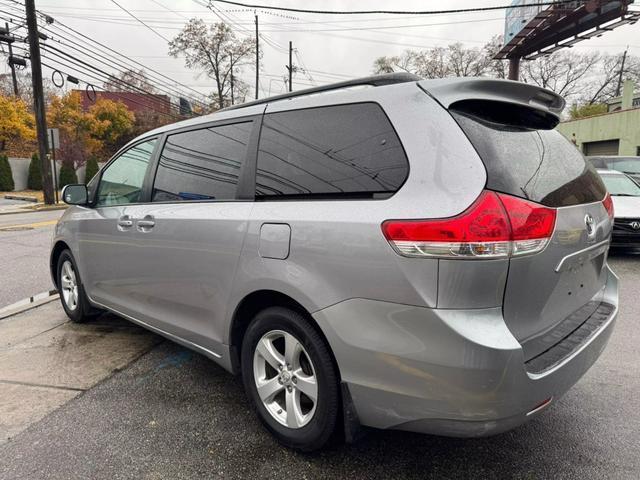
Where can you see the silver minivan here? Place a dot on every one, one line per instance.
(389, 252)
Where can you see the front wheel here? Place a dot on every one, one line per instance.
(290, 378)
(72, 295)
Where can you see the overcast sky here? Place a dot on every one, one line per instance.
(347, 50)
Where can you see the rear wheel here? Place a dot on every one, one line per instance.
(72, 295)
(290, 378)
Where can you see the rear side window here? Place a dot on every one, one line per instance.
(202, 164)
(343, 151)
(538, 164)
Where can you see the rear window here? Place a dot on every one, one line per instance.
(342, 151)
(538, 164)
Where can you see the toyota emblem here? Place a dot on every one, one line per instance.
(590, 224)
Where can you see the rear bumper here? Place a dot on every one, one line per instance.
(447, 372)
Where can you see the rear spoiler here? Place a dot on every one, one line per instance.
(448, 91)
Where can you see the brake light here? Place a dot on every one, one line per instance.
(495, 226)
(531, 224)
(608, 205)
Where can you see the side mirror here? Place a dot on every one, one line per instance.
(75, 194)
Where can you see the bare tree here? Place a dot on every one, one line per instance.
(564, 72)
(582, 78)
(603, 85)
(130, 81)
(454, 60)
(215, 51)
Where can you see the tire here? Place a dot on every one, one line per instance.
(72, 294)
(296, 419)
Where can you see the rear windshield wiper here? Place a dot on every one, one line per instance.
(624, 195)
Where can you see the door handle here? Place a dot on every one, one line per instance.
(125, 222)
(145, 224)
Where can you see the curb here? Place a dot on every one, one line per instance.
(34, 210)
(28, 303)
(24, 198)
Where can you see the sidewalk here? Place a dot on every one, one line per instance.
(29, 207)
(45, 361)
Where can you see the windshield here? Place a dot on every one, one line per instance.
(620, 185)
(629, 165)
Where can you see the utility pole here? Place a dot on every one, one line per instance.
(38, 99)
(231, 61)
(290, 67)
(514, 69)
(11, 65)
(257, 58)
(624, 58)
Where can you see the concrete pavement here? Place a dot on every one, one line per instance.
(45, 361)
(25, 240)
(175, 414)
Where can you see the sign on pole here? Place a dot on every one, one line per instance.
(53, 135)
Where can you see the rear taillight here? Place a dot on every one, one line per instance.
(495, 226)
(608, 205)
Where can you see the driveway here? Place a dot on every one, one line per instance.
(175, 414)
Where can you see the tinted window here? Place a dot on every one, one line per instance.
(122, 180)
(540, 165)
(338, 151)
(202, 164)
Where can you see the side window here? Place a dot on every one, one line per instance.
(122, 180)
(202, 164)
(329, 152)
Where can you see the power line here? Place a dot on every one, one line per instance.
(83, 38)
(386, 12)
(110, 62)
(132, 15)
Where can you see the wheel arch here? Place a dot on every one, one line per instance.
(255, 302)
(59, 247)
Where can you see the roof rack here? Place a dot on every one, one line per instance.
(374, 80)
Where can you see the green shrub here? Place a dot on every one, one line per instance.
(67, 175)
(34, 181)
(6, 178)
(91, 169)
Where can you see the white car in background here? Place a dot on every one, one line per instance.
(625, 194)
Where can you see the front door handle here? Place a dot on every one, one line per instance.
(145, 224)
(125, 222)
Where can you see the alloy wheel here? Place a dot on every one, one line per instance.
(69, 285)
(285, 379)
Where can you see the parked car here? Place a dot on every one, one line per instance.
(625, 194)
(419, 255)
(627, 165)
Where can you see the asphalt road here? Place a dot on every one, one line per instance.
(24, 254)
(174, 414)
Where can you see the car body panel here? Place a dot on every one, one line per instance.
(533, 307)
(446, 372)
